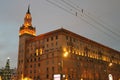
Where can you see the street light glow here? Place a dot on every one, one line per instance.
(66, 54)
(110, 64)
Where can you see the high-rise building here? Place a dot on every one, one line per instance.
(63, 52)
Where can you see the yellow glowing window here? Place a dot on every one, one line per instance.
(41, 51)
(36, 52)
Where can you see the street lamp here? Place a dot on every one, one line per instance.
(108, 71)
(110, 64)
(65, 54)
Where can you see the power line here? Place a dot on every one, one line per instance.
(103, 26)
(75, 13)
(60, 7)
(93, 19)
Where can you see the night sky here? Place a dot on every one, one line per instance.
(98, 20)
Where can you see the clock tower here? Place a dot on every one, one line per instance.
(27, 27)
(26, 31)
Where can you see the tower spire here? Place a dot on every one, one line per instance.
(27, 26)
(28, 9)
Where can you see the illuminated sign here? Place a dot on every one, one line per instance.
(57, 76)
(110, 77)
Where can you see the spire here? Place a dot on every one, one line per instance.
(27, 27)
(28, 18)
(28, 12)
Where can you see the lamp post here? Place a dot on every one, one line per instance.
(70, 72)
(60, 64)
(108, 71)
(65, 55)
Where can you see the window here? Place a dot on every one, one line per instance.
(52, 54)
(34, 59)
(74, 40)
(30, 71)
(41, 51)
(51, 38)
(38, 64)
(47, 69)
(31, 60)
(38, 77)
(39, 59)
(56, 37)
(30, 66)
(66, 37)
(36, 52)
(47, 39)
(27, 60)
(52, 69)
(47, 76)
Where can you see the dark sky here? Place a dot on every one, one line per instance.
(99, 21)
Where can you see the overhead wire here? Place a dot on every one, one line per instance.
(103, 26)
(60, 7)
(93, 19)
(76, 13)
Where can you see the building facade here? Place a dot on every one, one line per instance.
(63, 52)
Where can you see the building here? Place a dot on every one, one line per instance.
(63, 52)
(13, 74)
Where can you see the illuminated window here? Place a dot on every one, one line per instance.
(36, 52)
(41, 51)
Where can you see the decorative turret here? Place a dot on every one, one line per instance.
(27, 27)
